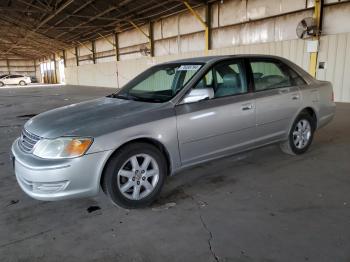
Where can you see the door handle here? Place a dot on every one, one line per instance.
(247, 107)
(295, 96)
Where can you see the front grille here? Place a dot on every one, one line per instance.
(28, 141)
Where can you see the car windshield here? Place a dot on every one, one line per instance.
(159, 83)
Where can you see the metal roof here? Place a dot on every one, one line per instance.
(35, 28)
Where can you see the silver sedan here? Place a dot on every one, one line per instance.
(170, 117)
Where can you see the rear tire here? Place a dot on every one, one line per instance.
(2, 84)
(300, 136)
(134, 177)
(22, 83)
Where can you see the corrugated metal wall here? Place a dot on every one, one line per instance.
(18, 66)
(335, 51)
(181, 36)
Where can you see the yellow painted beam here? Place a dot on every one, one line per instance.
(313, 64)
(70, 52)
(105, 38)
(149, 35)
(313, 56)
(204, 24)
(139, 29)
(195, 14)
(86, 47)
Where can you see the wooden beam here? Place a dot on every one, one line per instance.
(88, 21)
(151, 41)
(33, 6)
(46, 78)
(129, 14)
(116, 46)
(76, 55)
(34, 62)
(8, 66)
(64, 58)
(93, 45)
(47, 19)
(74, 12)
(54, 66)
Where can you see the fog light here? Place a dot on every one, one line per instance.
(49, 187)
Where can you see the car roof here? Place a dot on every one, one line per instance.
(209, 59)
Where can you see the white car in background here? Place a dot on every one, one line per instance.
(14, 80)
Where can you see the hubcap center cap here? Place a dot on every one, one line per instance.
(138, 175)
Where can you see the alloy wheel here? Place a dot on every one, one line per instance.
(302, 134)
(138, 176)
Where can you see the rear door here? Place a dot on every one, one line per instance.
(277, 96)
(222, 124)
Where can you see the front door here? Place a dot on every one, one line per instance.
(223, 124)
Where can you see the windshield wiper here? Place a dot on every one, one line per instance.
(136, 98)
(119, 96)
(146, 99)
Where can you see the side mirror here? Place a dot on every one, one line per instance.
(199, 94)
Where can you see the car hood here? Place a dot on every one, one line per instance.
(94, 118)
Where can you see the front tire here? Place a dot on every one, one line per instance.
(300, 136)
(134, 177)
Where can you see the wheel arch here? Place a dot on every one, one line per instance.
(312, 112)
(147, 140)
(307, 109)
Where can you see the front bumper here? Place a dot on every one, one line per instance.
(47, 179)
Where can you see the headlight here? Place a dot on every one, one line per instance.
(63, 147)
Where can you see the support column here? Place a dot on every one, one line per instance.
(208, 12)
(76, 56)
(46, 79)
(93, 49)
(317, 15)
(116, 45)
(34, 62)
(52, 81)
(64, 58)
(150, 38)
(54, 68)
(8, 66)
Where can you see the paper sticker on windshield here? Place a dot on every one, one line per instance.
(189, 67)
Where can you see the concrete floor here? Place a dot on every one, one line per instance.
(259, 206)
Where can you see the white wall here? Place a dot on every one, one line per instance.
(103, 74)
(238, 27)
(335, 52)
